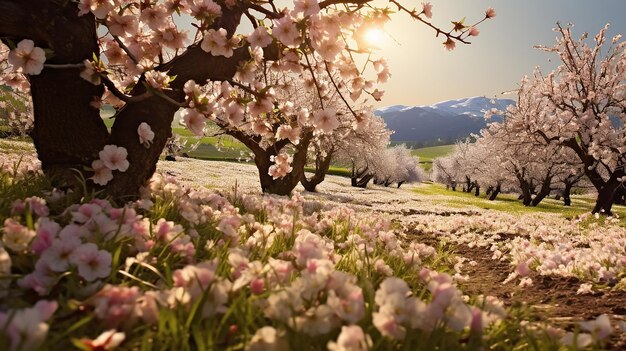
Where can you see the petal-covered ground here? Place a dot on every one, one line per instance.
(203, 261)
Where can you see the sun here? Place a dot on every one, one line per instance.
(374, 37)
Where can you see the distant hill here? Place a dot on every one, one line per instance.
(442, 123)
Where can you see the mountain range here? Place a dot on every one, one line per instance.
(441, 123)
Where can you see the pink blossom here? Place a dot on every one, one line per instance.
(306, 7)
(102, 174)
(490, 13)
(146, 135)
(114, 157)
(281, 166)
(27, 57)
(57, 256)
(108, 340)
(158, 80)
(47, 231)
(427, 9)
(259, 38)
(286, 32)
(473, 31)
(351, 338)
(216, 43)
(16, 236)
(91, 262)
(449, 44)
(194, 120)
(122, 25)
(325, 120)
(288, 132)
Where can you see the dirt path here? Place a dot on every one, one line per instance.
(553, 299)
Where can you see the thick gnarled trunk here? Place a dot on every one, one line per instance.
(68, 132)
(322, 165)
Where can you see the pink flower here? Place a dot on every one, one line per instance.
(522, 269)
(47, 231)
(16, 236)
(158, 80)
(427, 9)
(194, 120)
(351, 338)
(473, 31)
(216, 43)
(91, 262)
(259, 38)
(490, 13)
(114, 157)
(288, 132)
(122, 25)
(146, 135)
(27, 57)
(57, 256)
(600, 327)
(325, 120)
(449, 44)
(102, 174)
(100, 8)
(306, 7)
(108, 340)
(281, 166)
(286, 32)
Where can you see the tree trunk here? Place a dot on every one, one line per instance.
(468, 185)
(476, 189)
(495, 193)
(567, 201)
(400, 183)
(544, 191)
(362, 183)
(618, 198)
(262, 159)
(489, 190)
(68, 132)
(322, 164)
(604, 202)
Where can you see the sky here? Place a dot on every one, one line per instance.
(423, 72)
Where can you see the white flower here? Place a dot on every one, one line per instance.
(146, 135)
(216, 43)
(16, 236)
(114, 157)
(27, 57)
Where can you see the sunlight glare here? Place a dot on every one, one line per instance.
(374, 36)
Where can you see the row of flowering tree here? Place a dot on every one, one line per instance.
(141, 57)
(577, 114)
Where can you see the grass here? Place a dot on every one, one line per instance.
(510, 204)
(428, 154)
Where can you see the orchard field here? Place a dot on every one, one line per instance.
(214, 175)
(501, 276)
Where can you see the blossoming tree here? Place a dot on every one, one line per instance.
(142, 57)
(584, 108)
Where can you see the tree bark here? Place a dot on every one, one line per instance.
(495, 192)
(543, 192)
(68, 133)
(567, 201)
(476, 189)
(322, 164)
(262, 159)
(604, 202)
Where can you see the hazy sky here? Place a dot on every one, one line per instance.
(424, 73)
